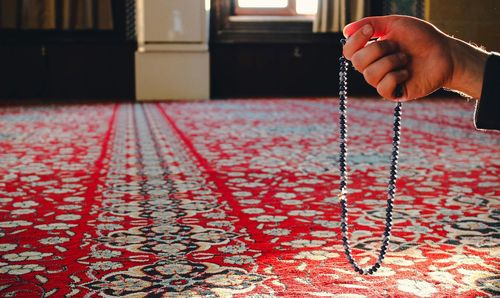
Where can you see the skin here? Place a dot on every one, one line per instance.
(414, 53)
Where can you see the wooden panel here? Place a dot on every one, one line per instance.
(90, 71)
(262, 70)
(22, 70)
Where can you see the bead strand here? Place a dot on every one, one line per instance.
(344, 66)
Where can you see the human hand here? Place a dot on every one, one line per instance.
(414, 53)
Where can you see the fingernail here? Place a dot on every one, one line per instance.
(367, 30)
(402, 56)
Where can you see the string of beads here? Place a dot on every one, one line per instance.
(344, 66)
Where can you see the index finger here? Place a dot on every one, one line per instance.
(357, 41)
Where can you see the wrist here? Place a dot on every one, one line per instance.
(469, 63)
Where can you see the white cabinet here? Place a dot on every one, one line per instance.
(173, 21)
(172, 60)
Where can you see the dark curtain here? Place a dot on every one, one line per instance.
(56, 14)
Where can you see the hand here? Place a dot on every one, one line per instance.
(413, 53)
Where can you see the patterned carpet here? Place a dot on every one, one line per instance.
(239, 199)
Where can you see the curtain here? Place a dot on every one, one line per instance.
(38, 14)
(8, 14)
(333, 15)
(87, 14)
(56, 14)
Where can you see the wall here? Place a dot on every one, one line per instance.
(476, 21)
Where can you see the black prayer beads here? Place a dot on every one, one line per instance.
(344, 66)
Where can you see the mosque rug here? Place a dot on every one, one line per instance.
(238, 198)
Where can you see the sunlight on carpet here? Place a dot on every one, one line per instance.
(239, 198)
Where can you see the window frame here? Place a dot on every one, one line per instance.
(290, 10)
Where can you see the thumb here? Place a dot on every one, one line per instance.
(380, 25)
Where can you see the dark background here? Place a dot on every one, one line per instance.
(248, 59)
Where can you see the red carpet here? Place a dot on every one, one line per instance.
(238, 198)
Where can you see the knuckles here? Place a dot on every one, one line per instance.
(358, 62)
(384, 47)
(395, 61)
(363, 57)
(347, 52)
(369, 75)
(382, 90)
(387, 85)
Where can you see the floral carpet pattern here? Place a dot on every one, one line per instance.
(238, 198)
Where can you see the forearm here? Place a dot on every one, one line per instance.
(468, 68)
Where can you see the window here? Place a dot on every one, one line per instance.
(276, 7)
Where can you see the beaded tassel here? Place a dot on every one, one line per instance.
(344, 65)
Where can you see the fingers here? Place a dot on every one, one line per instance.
(380, 25)
(357, 41)
(380, 62)
(376, 71)
(381, 67)
(371, 53)
(387, 87)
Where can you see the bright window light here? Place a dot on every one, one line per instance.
(306, 6)
(263, 3)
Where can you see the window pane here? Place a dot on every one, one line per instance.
(306, 6)
(263, 3)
